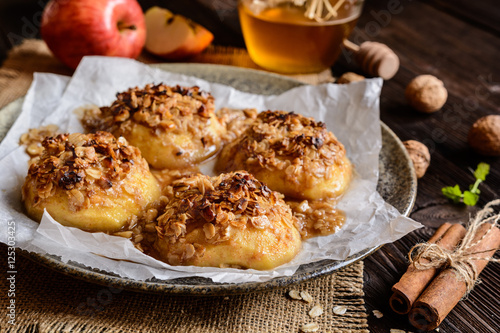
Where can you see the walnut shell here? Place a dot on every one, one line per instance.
(420, 156)
(484, 135)
(349, 77)
(426, 93)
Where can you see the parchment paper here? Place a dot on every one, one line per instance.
(350, 111)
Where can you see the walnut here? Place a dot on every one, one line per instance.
(349, 77)
(426, 93)
(484, 135)
(419, 155)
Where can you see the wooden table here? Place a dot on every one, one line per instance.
(459, 42)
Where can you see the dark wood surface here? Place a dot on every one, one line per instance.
(457, 41)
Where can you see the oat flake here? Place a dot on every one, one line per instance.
(316, 311)
(339, 310)
(306, 296)
(311, 327)
(377, 314)
(294, 294)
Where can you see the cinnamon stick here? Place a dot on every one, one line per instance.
(414, 281)
(447, 289)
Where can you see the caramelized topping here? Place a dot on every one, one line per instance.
(218, 203)
(286, 134)
(79, 163)
(158, 107)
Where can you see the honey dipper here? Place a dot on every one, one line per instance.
(375, 58)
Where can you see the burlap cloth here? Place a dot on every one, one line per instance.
(47, 301)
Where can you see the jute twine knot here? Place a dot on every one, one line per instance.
(425, 255)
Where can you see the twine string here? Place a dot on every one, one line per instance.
(427, 255)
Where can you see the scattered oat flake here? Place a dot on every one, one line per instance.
(316, 311)
(395, 330)
(306, 296)
(294, 294)
(377, 314)
(311, 327)
(339, 310)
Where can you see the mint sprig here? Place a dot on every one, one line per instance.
(470, 197)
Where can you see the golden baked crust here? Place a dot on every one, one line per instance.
(174, 127)
(91, 181)
(292, 154)
(232, 220)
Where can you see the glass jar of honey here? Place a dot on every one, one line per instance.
(297, 36)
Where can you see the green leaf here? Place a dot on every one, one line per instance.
(483, 169)
(470, 199)
(452, 192)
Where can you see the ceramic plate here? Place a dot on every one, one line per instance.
(397, 185)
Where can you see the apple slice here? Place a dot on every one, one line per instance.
(173, 36)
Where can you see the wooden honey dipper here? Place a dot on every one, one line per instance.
(374, 58)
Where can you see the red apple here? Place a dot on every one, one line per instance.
(174, 37)
(75, 28)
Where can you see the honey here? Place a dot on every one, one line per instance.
(281, 38)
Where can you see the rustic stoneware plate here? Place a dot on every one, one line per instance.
(397, 185)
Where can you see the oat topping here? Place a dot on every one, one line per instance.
(229, 200)
(144, 224)
(80, 165)
(159, 107)
(277, 136)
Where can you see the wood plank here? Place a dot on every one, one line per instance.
(430, 40)
(484, 14)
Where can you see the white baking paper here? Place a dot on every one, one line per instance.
(350, 111)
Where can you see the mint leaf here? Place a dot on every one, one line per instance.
(452, 192)
(483, 169)
(470, 199)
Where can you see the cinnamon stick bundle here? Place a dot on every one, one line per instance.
(414, 281)
(448, 288)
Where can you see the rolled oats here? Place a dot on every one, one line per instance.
(311, 327)
(340, 310)
(306, 296)
(294, 294)
(124, 234)
(316, 311)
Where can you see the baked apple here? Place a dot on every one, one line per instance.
(174, 127)
(292, 154)
(89, 181)
(232, 220)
